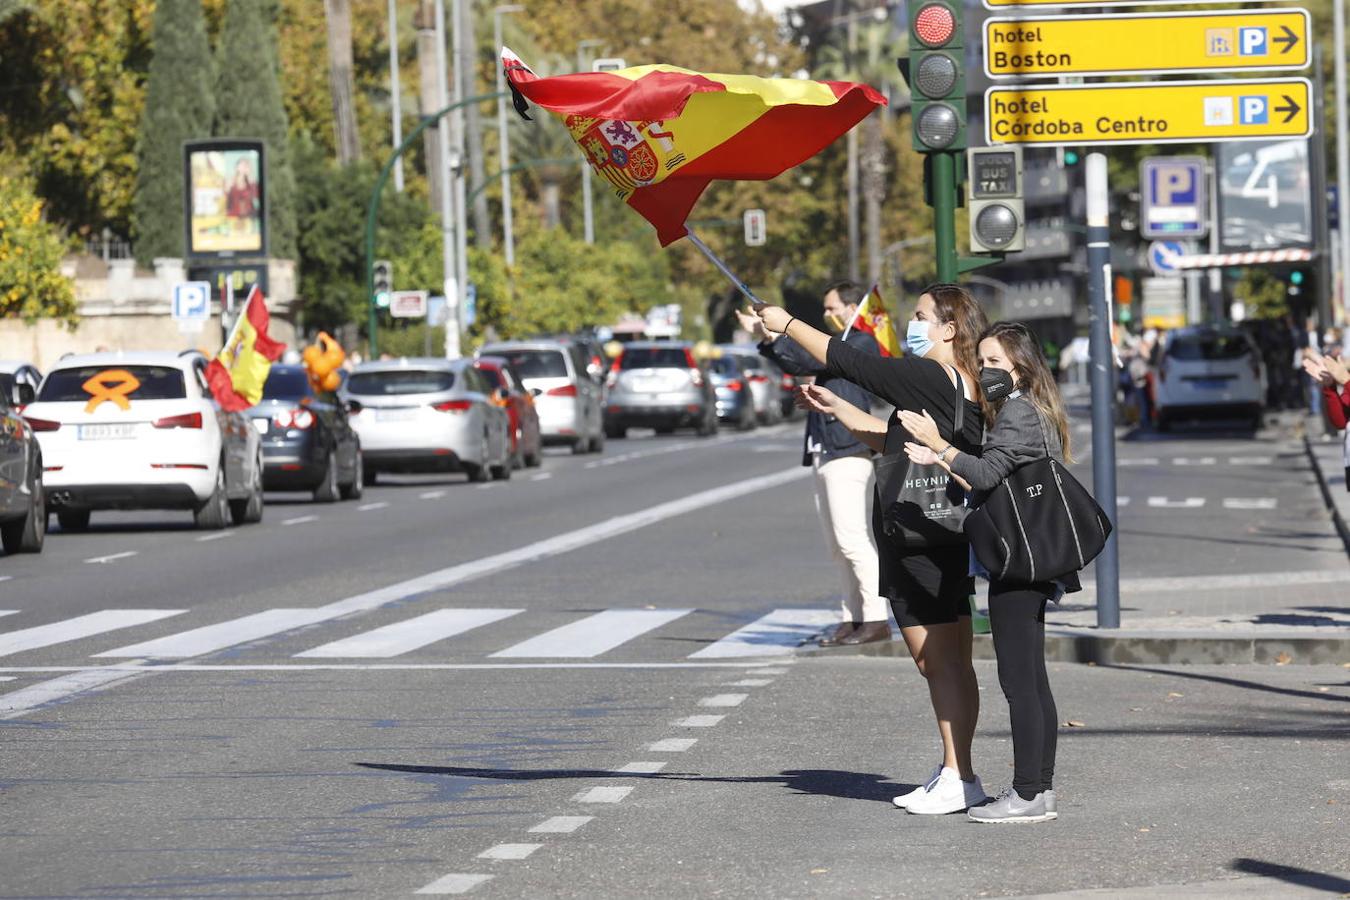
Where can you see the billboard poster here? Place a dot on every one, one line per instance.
(1265, 195)
(226, 210)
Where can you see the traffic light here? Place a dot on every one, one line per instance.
(937, 75)
(997, 212)
(1296, 278)
(383, 282)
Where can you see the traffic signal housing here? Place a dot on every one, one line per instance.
(382, 285)
(997, 211)
(937, 77)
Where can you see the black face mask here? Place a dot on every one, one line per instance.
(996, 384)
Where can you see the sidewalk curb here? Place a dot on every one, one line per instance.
(1144, 649)
(1342, 528)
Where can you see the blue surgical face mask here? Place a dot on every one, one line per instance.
(916, 338)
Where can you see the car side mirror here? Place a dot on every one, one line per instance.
(537, 391)
(353, 407)
(23, 394)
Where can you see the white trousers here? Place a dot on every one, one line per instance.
(843, 492)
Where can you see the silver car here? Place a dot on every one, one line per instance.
(660, 384)
(569, 400)
(764, 379)
(428, 415)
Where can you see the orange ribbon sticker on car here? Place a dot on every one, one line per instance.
(110, 385)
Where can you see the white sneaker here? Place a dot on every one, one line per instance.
(904, 800)
(949, 794)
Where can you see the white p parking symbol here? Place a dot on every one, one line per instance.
(1252, 41)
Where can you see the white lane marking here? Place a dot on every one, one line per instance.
(640, 768)
(125, 554)
(560, 824)
(1165, 503)
(1251, 460)
(773, 634)
(672, 745)
(5, 577)
(80, 627)
(500, 562)
(723, 700)
(454, 883)
(1228, 582)
(766, 670)
(509, 851)
(593, 635)
(1249, 502)
(612, 794)
(1122, 501)
(698, 721)
(487, 487)
(750, 682)
(542, 476)
(23, 701)
(8, 678)
(222, 634)
(1197, 461)
(213, 536)
(299, 520)
(365, 667)
(408, 635)
(431, 495)
(7, 612)
(1138, 461)
(370, 507)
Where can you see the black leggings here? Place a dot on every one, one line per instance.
(1017, 618)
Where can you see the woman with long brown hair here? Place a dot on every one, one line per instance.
(929, 587)
(1027, 423)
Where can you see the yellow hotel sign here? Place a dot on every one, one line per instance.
(1184, 112)
(1147, 43)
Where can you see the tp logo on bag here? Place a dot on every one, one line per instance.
(1035, 490)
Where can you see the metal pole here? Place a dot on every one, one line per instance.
(463, 75)
(1103, 385)
(395, 94)
(508, 232)
(1216, 311)
(449, 269)
(587, 210)
(723, 267)
(1342, 154)
(943, 189)
(1317, 164)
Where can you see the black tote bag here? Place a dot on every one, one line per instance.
(1039, 524)
(922, 506)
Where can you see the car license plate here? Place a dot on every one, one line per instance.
(647, 385)
(1211, 384)
(395, 415)
(261, 425)
(113, 432)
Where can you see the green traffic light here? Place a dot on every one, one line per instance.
(1296, 277)
(1070, 157)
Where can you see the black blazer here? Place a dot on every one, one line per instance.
(834, 439)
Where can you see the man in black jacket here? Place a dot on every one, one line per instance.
(843, 468)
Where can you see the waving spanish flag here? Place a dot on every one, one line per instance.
(237, 374)
(659, 134)
(873, 318)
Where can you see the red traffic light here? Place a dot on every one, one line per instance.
(935, 24)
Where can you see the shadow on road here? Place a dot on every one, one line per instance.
(1332, 884)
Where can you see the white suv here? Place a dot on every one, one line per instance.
(142, 431)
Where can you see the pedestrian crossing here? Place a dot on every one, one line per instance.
(446, 632)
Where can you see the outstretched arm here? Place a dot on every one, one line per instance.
(863, 425)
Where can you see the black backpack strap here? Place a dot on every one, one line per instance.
(959, 417)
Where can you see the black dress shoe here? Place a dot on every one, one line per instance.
(840, 633)
(869, 632)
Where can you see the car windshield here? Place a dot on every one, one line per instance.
(725, 366)
(491, 376)
(151, 383)
(1208, 347)
(535, 363)
(654, 358)
(6, 385)
(401, 381)
(284, 383)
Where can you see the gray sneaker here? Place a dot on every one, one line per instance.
(1009, 807)
(1050, 809)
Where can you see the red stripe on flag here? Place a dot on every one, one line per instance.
(259, 318)
(603, 95)
(222, 388)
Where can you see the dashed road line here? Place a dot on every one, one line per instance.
(1197, 461)
(560, 824)
(213, 536)
(1165, 503)
(99, 560)
(431, 495)
(299, 520)
(719, 700)
(542, 476)
(698, 721)
(371, 507)
(1138, 461)
(672, 745)
(606, 794)
(750, 682)
(1251, 460)
(640, 768)
(509, 851)
(1249, 503)
(766, 670)
(454, 883)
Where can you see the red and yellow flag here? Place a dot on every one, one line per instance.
(873, 318)
(237, 374)
(659, 134)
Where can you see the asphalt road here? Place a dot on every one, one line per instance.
(580, 683)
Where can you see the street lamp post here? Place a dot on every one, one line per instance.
(395, 94)
(508, 237)
(588, 218)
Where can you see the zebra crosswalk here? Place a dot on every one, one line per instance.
(439, 633)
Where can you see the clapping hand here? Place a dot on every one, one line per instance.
(923, 428)
(1316, 366)
(814, 398)
(1336, 369)
(920, 455)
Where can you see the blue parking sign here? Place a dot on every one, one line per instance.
(192, 301)
(1252, 41)
(1175, 199)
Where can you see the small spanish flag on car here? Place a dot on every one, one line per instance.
(237, 374)
(873, 318)
(659, 134)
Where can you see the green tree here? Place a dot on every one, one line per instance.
(248, 104)
(180, 106)
(31, 284)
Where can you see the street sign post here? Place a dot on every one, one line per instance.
(1147, 43)
(1164, 258)
(192, 305)
(1169, 112)
(1174, 201)
(408, 304)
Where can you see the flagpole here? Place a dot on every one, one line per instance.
(857, 311)
(239, 320)
(722, 267)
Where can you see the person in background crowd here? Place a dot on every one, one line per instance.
(929, 587)
(1306, 341)
(1333, 379)
(1140, 368)
(1029, 419)
(842, 466)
